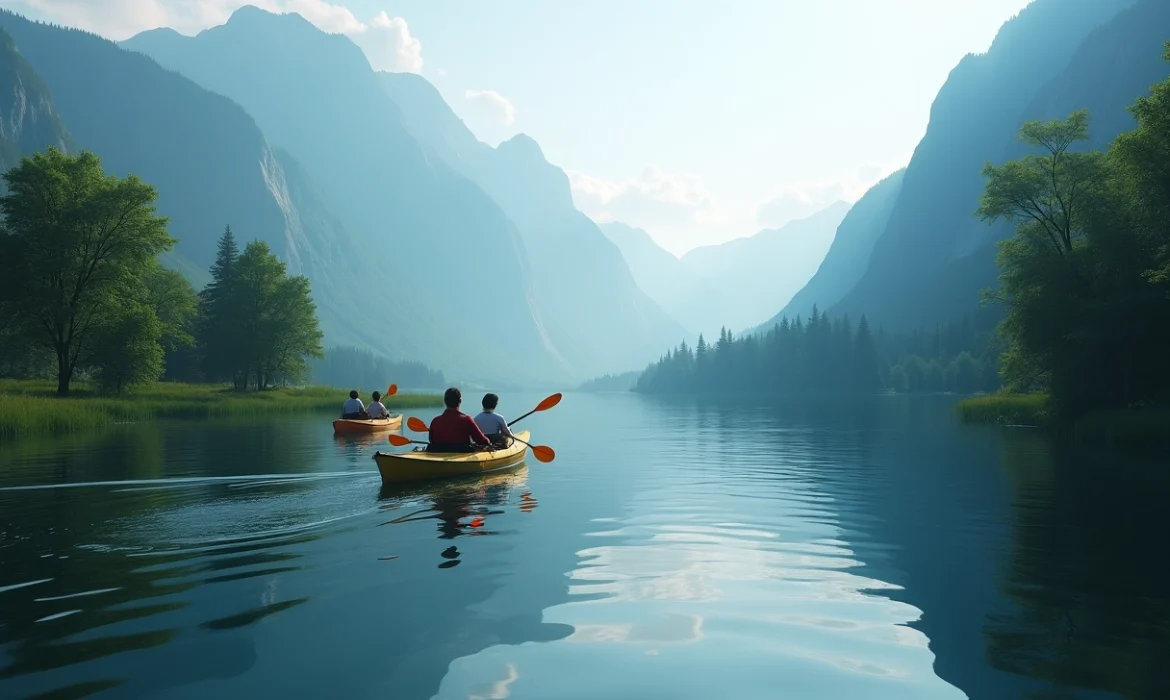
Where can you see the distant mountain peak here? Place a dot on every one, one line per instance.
(522, 146)
(160, 32)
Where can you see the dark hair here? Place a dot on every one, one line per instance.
(452, 398)
(490, 401)
(353, 394)
(377, 395)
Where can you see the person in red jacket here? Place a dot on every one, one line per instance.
(454, 430)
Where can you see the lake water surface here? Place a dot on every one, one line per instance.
(674, 550)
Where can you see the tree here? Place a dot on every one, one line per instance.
(128, 351)
(175, 303)
(1046, 194)
(73, 236)
(867, 375)
(275, 324)
(220, 323)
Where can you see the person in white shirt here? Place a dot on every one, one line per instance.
(491, 423)
(353, 408)
(376, 409)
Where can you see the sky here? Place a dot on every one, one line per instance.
(696, 121)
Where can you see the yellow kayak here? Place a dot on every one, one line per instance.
(351, 426)
(419, 465)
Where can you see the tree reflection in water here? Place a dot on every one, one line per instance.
(1089, 573)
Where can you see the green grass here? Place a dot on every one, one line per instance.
(1132, 428)
(30, 407)
(1005, 409)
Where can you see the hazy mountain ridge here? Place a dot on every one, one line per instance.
(583, 283)
(919, 272)
(849, 255)
(430, 229)
(29, 120)
(761, 273)
(686, 295)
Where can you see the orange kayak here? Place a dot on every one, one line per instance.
(354, 426)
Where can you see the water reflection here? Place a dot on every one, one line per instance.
(1087, 573)
(708, 549)
(462, 506)
(734, 551)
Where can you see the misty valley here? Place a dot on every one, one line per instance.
(623, 352)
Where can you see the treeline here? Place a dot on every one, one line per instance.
(1086, 278)
(826, 356)
(83, 295)
(354, 368)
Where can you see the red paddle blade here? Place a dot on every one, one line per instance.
(398, 440)
(416, 425)
(392, 390)
(543, 453)
(549, 402)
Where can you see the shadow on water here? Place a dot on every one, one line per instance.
(1087, 572)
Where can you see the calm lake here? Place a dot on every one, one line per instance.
(674, 550)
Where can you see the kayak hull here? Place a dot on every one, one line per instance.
(354, 426)
(402, 467)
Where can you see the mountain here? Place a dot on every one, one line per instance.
(428, 227)
(493, 238)
(848, 257)
(213, 167)
(759, 274)
(687, 296)
(932, 258)
(607, 327)
(29, 121)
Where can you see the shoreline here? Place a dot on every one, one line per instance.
(1126, 428)
(30, 408)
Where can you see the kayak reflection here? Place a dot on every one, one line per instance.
(463, 508)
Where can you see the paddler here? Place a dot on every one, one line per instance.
(376, 410)
(491, 423)
(454, 430)
(353, 409)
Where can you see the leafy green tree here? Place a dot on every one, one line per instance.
(1141, 159)
(72, 237)
(128, 350)
(277, 326)
(1048, 194)
(175, 303)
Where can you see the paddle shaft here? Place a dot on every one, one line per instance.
(511, 423)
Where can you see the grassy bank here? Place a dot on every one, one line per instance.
(1139, 428)
(30, 408)
(1005, 409)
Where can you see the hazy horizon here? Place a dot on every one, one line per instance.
(698, 128)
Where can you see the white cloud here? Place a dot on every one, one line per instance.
(800, 199)
(492, 106)
(655, 199)
(386, 41)
(389, 45)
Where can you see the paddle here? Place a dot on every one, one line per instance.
(542, 406)
(402, 440)
(390, 391)
(543, 453)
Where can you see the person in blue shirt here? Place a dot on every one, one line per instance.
(491, 423)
